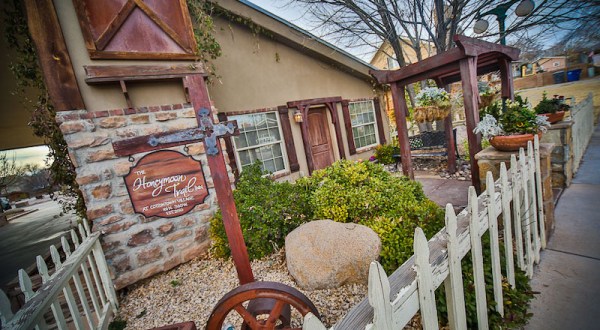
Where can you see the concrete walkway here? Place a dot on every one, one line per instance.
(568, 277)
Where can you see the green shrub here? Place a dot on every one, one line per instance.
(384, 153)
(363, 192)
(268, 211)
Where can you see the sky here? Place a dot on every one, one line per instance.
(32, 155)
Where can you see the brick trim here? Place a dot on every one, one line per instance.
(81, 115)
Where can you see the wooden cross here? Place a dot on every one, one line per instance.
(207, 132)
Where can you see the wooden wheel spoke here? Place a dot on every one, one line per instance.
(248, 318)
(276, 312)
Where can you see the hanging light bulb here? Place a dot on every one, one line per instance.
(480, 26)
(298, 116)
(524, 8)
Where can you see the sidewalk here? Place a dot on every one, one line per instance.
(568, 277)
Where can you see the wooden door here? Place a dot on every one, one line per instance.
(319, 138)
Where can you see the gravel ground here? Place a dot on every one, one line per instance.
(190, 291)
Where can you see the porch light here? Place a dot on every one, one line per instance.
(524, 8)
(298, 116)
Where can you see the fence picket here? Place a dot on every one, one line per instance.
(107, 284)
(516, 202)
(27, 289)
(540, 191)
(87, 279)
(379, 297)
(533, 202)
(79, 287)
(494, 244)
(425, 287)
(453, 284)
(67, 291)
(56, 309)
(311, 322)
(92, 264)
(6, 313)
(526, 221)
(505, 190)
(477, 258)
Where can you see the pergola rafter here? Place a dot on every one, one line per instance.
(471, 57)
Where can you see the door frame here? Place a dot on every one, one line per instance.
(330, 104)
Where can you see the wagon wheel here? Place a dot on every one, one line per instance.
(269, 299)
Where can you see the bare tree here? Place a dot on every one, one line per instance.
(10, 171)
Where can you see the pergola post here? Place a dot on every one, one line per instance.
(506, 77)
(400, 111)
(468, 75)
(451, 149)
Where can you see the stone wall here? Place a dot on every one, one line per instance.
(136, 247)
(489, 159)
(560, 134)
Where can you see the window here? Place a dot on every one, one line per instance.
(392, 63)
(260, 139)
(364, 127)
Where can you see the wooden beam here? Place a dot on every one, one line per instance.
(218, 172)
(468, 73)
(379, 117)
(98, 74)
(230, 149)
(476, 47)
(114, 26)
(305, 136)
(400, 111)
(53, 55)
(309, 102)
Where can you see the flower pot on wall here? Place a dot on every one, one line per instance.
(554, 117)
(512, 142)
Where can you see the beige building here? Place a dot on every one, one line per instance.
(267, 79)
(121, 73)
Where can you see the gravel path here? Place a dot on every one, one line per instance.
(190, 291)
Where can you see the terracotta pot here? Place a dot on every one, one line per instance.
(512, 142)
(554, 117)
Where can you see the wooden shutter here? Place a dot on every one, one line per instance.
(286, 128)
(136, 29)
(379, 117)
(348, 126)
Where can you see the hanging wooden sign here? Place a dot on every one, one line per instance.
(166, 184)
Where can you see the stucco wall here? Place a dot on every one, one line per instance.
(268, 73)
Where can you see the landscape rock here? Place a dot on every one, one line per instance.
(325, 254)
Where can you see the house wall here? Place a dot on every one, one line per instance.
(552, 64)
(268, 73)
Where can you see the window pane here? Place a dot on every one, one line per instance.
(279, 164)
(244, 158)
(269, 166)
(252, 138)
(260, 121)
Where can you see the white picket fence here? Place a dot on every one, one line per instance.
(517, 197)
(91, 307)
(583, 128)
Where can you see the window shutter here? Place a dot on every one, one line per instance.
(348, 125)
(379, 117)
(286, 128)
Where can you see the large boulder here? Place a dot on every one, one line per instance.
(325, 254)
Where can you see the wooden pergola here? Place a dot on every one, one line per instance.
(471, 57)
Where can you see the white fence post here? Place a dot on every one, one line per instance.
(379, 298)
(540, 191)
(516, 199)
(494, 244)
(453, 284)
(526, 221)
(533, 202)
(506, 217)
(477, 259)
(425, 287)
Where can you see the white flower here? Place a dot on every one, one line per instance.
(489, 127)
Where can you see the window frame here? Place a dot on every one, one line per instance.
(281, 142)
(374, 123)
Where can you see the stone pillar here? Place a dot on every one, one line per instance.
(490, 159)
(136, 247)
(562, 156)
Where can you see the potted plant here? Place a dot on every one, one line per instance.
(487, 94)
(553, 108)
(432, 104)
(512, 128)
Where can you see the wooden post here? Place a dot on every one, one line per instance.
(53, 55)
(451, 148)
(468, 75)
(506, 77)
(400, 111)
(218, 172)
